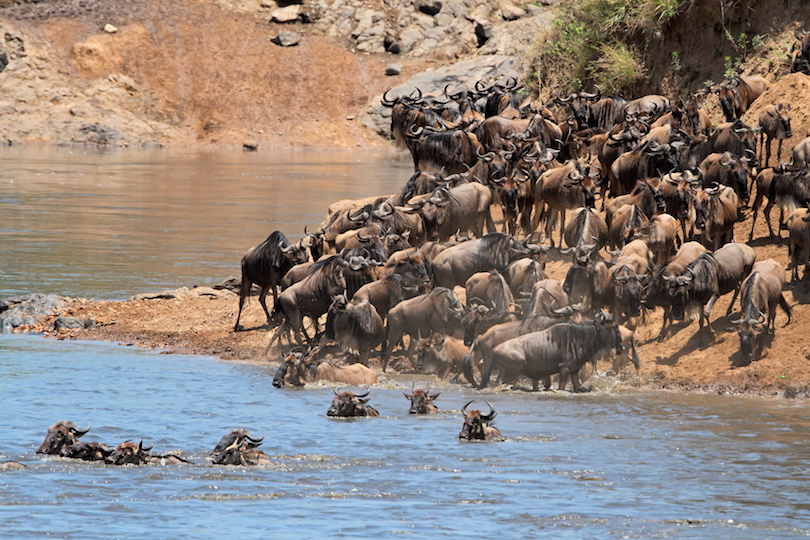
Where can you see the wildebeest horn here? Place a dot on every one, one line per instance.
(142, 449)
(464, 408)
(492, 414)
(362, 395)
(561, 99)
(252, 439)
(593, 96)
(419, 95)
(76, 431)
(385, 101)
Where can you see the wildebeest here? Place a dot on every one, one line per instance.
(774, 122)
(780, 187)
(449, 151)
(442, 353)
(678, 191)
(657, 293)
(456, 264)
(738, 93)
(422, 401)
(239, 448)
(726, 169)
(93, 451)
(585, 234)
(297, 370)
(477, 426)
(523, 274)
(464, 207)
(760, 293)
(709, 277)
(348, 404)
(798, 225)
(437, 311)
(715, 215)
(560, 189)
(265, 265)
(129, 453)
(59, 436)
(562, 349)
(800, 154)
(355, 325)
(491, 289)
(311, 297)
(647, 161)
(736, 138)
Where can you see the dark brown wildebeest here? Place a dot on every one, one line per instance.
(437, 311)
(93, 451)
(678, 191)
(265, 265)
(297, 370)
(239, 448)
(709, 277)
(563, 348)
(652, 106)
(547, 296)
(440, 354)
(580, 105)
(129, 453)
(715, 215)
(661, 237)
(385, 293)
(738, 93)
(477, 426)
(760, 293)
(450, 152)
(780, 187)
(726, 169)
(624, 223)
(422, 401)
(347, 404)
(11, 466)
(800, 53)
(59, 436)
(650, 160)
(737, 138)
(774, 123)
(355, 325)
(657, 293)
(311, 297)
(798, 225)
(495, 251)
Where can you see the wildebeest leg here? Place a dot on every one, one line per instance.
(664, 326)
(263, 301)
(767, 213)
(563, 378)
(575, 382)
(546, 383)
(562, 225)
(244, 290)
(778, 150)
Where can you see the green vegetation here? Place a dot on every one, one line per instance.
(588, 42)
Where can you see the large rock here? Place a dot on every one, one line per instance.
(28, 309)
(429, 7)
(287, 14)
(510, 12)
(287, 39)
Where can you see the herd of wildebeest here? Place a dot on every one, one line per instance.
(653, 191)
(670, 188)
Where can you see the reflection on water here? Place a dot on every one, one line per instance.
(615, 465)
(112, 223)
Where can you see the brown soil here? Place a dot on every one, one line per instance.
(208, 71)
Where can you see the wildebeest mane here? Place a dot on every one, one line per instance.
(704, 272)
(268, 257)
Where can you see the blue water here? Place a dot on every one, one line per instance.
(615, 464)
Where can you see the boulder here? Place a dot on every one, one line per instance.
(389, 43)
(510, 12)
(287, 39)
(110, 29)
(409, 37)
(287, 14)
(72, 323)
(393, 69)
(250, 145)
(429, 7)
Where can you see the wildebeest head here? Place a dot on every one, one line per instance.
(476, 424)
(233, 444)
(422, 401)
(60, 435)
(748, 329)
(784, 118)
(297, 253)
(129, 453)
(604, 319)
(346, 404)
(678, 291)
(316, 241)
(628, 289)
(737, 171)
(580, 105)
(290, 371)
(87, 451)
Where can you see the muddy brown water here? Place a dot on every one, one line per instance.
(613, 463)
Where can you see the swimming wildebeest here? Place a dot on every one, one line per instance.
(477, 426)
(348, 404)
(59, 436)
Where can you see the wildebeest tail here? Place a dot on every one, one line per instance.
(786, 308)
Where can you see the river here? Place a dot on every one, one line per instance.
(615, 463)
